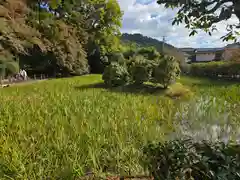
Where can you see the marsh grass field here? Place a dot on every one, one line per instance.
(65, 128)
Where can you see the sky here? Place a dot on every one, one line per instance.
(152, 20)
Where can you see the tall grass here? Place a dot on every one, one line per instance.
(58, 129)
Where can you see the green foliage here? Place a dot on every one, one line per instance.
(139, 69)
(229, 70)
(129, 53)
(12, 67)
(63, 37)
(146, 64)
(188, 160)
(8, 64)
(117, 57)
(205, 15)
(149, 53)
(115, 74)
(104, 29)
(166, 71)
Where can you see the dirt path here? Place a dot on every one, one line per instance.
(31, 81)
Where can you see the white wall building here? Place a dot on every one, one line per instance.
(205, 56)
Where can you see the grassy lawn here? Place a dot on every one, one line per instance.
(67, 127)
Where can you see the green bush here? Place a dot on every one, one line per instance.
(143, 65)
(149, 53)
(115, 75)
(117, 57)
(188, 160)
(139, 69)
(216, 69)
(165, 71)
(129, 53)
(9, 63)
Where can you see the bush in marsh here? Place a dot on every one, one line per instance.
(139, 69)
(144, 66)
(115, 75)
(166, 71)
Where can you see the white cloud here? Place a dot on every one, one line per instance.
(150, 19)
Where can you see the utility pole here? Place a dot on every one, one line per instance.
(163, 42)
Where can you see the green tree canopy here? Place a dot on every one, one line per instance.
(59, 35)
(205, 14)
(102, 21)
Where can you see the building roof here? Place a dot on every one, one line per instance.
(201, 50)
(234, 45)
(206, 50)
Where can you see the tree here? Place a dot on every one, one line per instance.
(115, 74)
(102, 21)
(140, 69)
(165, 71)
(205, 14)
(8, 64)
(60, 36)
(105, 32)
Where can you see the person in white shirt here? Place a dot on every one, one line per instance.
(23, 74)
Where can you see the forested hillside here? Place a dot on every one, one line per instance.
(62, 38)
(145, 41)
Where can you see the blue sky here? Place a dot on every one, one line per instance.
(150, 19)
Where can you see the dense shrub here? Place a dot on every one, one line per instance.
(140, 69)
(129, 53)
(165, 71)
(115, 74)
(149, 53)
(143, 65)
(8, 64)
(216, 69)
(116, 57)
(187, 160)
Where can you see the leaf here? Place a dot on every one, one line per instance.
(193, 33)
(186, 20)
(54, 3)
(174, 22)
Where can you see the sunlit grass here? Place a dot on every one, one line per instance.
(57, 129)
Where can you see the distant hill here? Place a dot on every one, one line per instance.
(145, 41)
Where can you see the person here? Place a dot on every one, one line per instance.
(20, 74)
(23, 74)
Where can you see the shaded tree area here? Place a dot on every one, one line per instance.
(58, 37)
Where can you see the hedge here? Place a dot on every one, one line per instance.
(221, 69)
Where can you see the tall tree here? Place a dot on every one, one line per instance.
(25, 29)
(205, 14)
(102, 21)
(59, 35)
